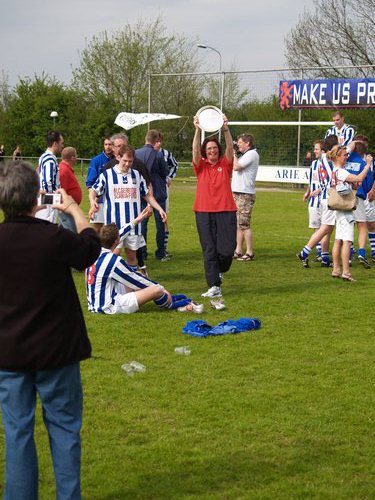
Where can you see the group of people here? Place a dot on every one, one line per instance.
(42, 329)
(341, 164)
(17, 154)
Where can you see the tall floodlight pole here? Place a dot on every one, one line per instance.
(221, 89)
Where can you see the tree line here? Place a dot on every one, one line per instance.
(113, 76)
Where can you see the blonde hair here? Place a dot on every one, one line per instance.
(335, 152)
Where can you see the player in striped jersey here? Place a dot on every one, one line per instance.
(122, 188)
(312, 194)
(48, 170)
(344, 132)
(323, 234)
(113, 287)
(172, 163)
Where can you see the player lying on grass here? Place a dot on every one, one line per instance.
(113, 287)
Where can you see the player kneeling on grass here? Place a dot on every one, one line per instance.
(113, 287)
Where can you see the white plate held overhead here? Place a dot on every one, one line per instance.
(210, 118)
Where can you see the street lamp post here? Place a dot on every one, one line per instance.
(54, 115)
(201, 46)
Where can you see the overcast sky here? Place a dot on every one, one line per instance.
(38, 36)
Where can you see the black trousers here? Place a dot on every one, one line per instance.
(217, 235)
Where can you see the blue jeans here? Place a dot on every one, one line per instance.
(60, 392)
(67, 222)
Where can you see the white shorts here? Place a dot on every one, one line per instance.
(370, 210)
(344, 226)
(315, 217)
(360, 212)
(48, 213)
(98, 217)
(132, 241)
(125, 303)
(328, 216)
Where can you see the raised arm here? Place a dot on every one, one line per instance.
(229, 151)
(197, 142)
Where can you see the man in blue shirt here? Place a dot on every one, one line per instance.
(95, 168)
(158, 170)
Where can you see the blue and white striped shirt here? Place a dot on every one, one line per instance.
(325, 176)
(105, 279)
(314, 201)
(122, 196)
(346, 133)
(48, 172)
(171, 161)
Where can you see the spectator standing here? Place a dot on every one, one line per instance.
(172, 163)
(17, 155)
(343, 131)
(245, 170)
(158, 172)
(2, 152)
(70, 183)
(95, 168)
(42, 333)
(49, 172)
(344, 236)
(214, 206)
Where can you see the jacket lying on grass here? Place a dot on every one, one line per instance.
(200, 328)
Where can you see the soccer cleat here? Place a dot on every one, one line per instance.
(166, 258)
(326, 264)
(317, 259)
(214, 291)
(373, 257)
(192, 307)
(364, 262)
(304, 262)
(217, 304)
(143, 270)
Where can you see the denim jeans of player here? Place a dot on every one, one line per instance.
(60, 392)
(67, 222)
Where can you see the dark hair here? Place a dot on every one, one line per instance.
(204, 146)
(360, 148)
(331, 141)
(19, 188)
(322, 144)
(108, 234)
(361, 137)
(338, 113)
(152, 136)
(248, 138)
(126, 148)
(52, 136)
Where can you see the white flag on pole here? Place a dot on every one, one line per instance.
(131, 120)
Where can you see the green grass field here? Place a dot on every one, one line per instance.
(286, 412)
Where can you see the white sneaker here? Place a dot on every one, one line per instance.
(192, 307)
(217, 304)
(214, 291)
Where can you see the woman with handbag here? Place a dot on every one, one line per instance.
(343, 185)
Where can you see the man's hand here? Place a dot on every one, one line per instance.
(163, 215)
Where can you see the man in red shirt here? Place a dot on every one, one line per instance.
(69, 182)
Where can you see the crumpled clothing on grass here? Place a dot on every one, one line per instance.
(200, 328)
